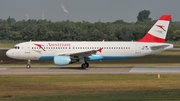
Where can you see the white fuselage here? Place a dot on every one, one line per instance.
(110, 50)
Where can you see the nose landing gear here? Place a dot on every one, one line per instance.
(28, 64)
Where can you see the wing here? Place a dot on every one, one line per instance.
(81, 54)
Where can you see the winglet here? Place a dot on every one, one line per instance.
(159, 30)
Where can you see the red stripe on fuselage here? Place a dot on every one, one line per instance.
(150, 38)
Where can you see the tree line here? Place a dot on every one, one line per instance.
(44, 30)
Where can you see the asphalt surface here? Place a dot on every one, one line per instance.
(91, 70)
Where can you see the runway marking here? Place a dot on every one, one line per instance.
(156, 69)
(3, 68)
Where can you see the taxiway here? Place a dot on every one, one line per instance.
(91, 70)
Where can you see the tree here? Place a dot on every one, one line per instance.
(15, 36)
(81, 31)
(176, 35)
(143, 16)
(119, 22)
(11, 20)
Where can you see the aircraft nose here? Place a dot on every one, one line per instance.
(11, 53)
(8, 53)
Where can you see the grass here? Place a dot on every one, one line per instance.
(90, 87)
(115, 96)
(7, 45)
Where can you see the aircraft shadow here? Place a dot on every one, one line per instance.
(79, 68)
(75, 68)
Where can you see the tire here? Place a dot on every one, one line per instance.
(85, 65)
(28, 66)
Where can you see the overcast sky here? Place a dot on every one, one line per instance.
(88, 10)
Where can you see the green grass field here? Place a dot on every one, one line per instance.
(145, 87)
(6, 45)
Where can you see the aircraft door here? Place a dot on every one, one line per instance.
(138, 48)
(27, 47)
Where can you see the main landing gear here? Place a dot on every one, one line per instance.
(28, 64)
(85, 65)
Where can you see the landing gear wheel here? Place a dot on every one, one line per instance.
(85, 65)
(28, 66)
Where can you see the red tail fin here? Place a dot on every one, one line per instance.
(159, 31)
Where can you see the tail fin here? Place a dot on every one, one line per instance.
(159, 30)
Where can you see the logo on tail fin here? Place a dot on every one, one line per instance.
(162, 27)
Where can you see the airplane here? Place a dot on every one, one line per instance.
(68, 52)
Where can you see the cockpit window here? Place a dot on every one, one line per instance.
(16, 47)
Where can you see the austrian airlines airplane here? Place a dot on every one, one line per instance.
(68, 52)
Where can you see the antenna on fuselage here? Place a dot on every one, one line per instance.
(103, 40)
(30, 41)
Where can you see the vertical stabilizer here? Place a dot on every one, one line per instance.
(159, 30)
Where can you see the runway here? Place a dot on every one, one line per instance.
(38, 70)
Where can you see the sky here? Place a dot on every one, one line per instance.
(88, 10)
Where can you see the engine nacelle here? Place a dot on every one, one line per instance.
(62, 60)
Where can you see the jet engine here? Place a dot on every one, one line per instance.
(62, 60)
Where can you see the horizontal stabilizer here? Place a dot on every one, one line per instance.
(161, 47)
